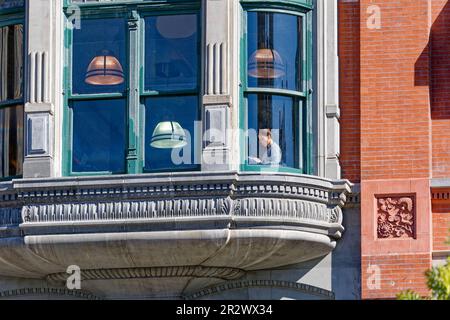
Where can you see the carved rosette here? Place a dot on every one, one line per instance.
(396, 217)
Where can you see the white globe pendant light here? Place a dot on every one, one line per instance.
(168, 135)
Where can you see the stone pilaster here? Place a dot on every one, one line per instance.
(42, 74)
(217, 17)
(328, 90)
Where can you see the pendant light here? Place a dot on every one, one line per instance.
(266, 62)
(105, 70)
(168, 135)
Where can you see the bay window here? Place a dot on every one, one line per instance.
(11, 91)
(132, 86)
(276, 91)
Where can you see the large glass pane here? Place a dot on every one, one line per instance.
(11, 62)
(99, 136)
(11, 141)
(99, 56)
(171, 52)
(169, 132)
(275, 50)
(272, 125)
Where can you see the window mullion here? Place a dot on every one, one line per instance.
(98, 96)
(10, 103)
(133, 94)
(309, 169)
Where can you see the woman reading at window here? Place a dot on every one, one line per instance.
(270, 151)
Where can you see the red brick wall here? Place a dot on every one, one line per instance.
(389, 115)
(397, 273)
(441, 225)
(441, 148)
(395, 106)
(440, 88)
(349, 26)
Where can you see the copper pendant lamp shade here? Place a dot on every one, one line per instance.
(266, 64)
(105, 70)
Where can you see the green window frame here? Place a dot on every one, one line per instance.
(135, 13)
(10, 16)
(301, 99)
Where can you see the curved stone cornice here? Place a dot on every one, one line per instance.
(220, 222)
(172, 184)
(244, 284)
(173, 195)
(40, 292)
(153, 272)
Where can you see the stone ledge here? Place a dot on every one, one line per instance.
(244, 284)
(77, 201)
(244, 221)
(40, 292)
(153, 272)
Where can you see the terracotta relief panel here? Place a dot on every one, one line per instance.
(396, 217)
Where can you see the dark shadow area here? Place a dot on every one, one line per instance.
(432, 68)
(350, 89)
(346, 258)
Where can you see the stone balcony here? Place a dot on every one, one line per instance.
(164, 235)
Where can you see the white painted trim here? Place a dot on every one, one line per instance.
(328, 89)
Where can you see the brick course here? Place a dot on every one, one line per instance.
(349, 86)
(397, 273)
(441, 225)
(440, 87)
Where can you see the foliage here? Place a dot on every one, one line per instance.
(408, 295)
(438, 281)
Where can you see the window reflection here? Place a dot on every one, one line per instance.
(171, 53)
(11, 62)
(11, 113)
(272, 130)
(99, 136)
(99, 66)
(169, 132)
(11, 141)
(275, 50)
(99, 56)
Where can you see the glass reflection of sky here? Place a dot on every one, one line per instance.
(99, 136)
(171, 53)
